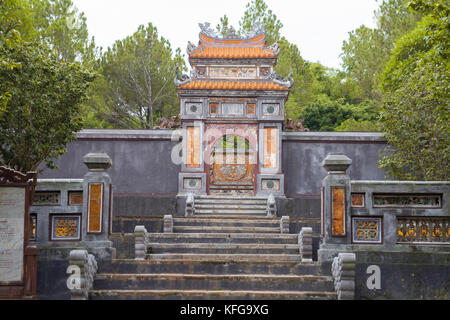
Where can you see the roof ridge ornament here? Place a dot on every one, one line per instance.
(287, 82)
(207, 30)
(256, 30)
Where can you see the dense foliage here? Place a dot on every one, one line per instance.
(415, 116)
(44, 110)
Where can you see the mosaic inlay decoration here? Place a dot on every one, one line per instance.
(407, 201)
(270, 184)
(232, 72)
(46, 198)
(271, 109)
(65, 228)
(213, 108)
(358, 200)
(192, 183)
(423, 230)
(75, 198)
(270, 147)
(338, 211)
(251, 109)
(194, 108)
(95, 207)
(366, 230)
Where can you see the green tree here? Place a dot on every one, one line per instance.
(138, 73)
(44, 110)
(257, 12)
(325, 114)
(60, 25)
(224, 26)
(13, 21)
(366, 52)
(358, 126)
(415, 116)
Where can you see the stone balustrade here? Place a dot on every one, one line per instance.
(140, 242)
(305, 244)
(343, 271)
(190, 205)
(271, 206)
(82, 267)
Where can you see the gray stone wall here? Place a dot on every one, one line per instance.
(303, 153)
(146, 180)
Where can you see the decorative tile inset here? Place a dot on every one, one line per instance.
(272, 109)
(270, 184)
(65, 227)
(366, 230)
(75, 198)
(358, 200)
(423, 230)
(407, 201)
(194, 108)
(338, 211)
(47, 198)
(192, 183)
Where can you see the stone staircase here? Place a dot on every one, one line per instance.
(229, 249)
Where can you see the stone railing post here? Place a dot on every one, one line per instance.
(305, 244)
(97, 205)
(140, 242)
(271, 206)
(82, 267)
(190, 205)
(336, 199)
(284, 224)
(168, 224)
(343, 271)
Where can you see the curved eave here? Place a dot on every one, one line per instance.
(255, 85)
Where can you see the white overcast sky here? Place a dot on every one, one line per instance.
(317, 27)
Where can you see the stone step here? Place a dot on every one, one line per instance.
(226, 257)
(229, 229)
(225, 201)
(226, 222)
(215, 265)
(263, 238)
(209, 295)
(223, 248)
(234, 216)
(230, 206)
(262, 212)
(174, 281)
(225, 197)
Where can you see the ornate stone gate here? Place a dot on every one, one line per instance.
(232, 110)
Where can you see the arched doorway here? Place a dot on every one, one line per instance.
(232, 166)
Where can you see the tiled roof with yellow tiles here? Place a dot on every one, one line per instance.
(231, 85)
(237, 52)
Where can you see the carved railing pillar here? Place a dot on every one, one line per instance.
(82, 267)
(140, 242)
(284, 224)
(305, 244)
(336, 200)
(168, 224)
(190, 205)
(271, 206)
(343, 271)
